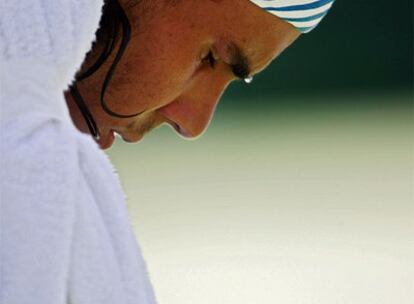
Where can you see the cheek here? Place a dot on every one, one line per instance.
(154, 74)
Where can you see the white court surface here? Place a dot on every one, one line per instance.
(278, 206)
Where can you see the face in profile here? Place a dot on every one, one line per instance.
(179, 59)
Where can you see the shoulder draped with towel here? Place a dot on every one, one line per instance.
(65, 236)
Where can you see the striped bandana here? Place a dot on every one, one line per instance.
(302, 14)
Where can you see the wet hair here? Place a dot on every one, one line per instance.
(114, 25)
(110, 26)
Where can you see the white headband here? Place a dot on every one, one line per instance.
(302, 14)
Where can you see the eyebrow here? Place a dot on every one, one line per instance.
(239, 62)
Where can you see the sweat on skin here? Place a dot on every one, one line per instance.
(65, 230)
(178, 62)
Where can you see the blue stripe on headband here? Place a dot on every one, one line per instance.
(306, 6)
(310, 18)
(305, 15)
(305, 29)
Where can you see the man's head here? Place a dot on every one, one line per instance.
(180, 57)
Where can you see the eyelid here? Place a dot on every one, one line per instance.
(214, 53)
(239, 67)
(210, 57)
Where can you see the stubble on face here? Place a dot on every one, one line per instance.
(164, 64)
(136, 129)
(145, 126)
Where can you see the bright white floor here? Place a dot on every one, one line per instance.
(278, 206)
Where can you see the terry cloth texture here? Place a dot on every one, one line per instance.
(305, 15)
(65, 236)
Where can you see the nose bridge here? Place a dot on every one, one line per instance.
(192, 111)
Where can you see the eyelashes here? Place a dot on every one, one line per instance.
(239, 69)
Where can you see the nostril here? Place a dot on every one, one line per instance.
(179, 128)
(187, 123)
(183, 131)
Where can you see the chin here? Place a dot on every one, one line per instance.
(106, 141)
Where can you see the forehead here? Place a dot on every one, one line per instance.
(260, 35)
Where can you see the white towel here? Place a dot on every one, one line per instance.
(64, 230)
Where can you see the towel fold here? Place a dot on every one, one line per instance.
(65, 235)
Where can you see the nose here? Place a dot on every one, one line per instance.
(191, 113)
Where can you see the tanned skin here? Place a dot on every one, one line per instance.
(181, 57)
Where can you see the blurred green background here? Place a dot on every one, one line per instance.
(301, 190)
(364, 45)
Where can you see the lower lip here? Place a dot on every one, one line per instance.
(135, 138)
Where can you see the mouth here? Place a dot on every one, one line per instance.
(130, 137)
(107, 140)
(132, 133)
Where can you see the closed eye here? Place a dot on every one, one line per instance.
(210, 60)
